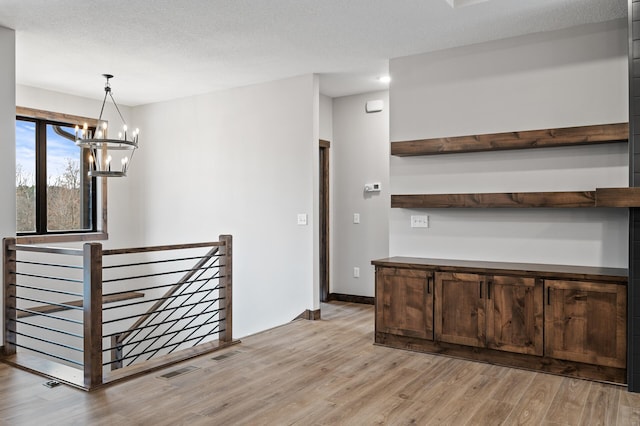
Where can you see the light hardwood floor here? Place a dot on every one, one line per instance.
(322, 372)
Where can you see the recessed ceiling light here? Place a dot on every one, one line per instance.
(384, 79)
(462, 3)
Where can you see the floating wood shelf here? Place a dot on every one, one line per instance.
(584, 135)
(601, 197)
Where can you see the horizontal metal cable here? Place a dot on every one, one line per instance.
(51, 342)
(158, 274)
(46, 302)
(57, 265)
(167, 322)
(124, 265)
(69, 280)
(68, 293)
(48, 354)
(162, 310)
(146, 339)
(156, 287)
(50, 250)
(215, 331)
(41, 314)
(68, 333)
(173, 296)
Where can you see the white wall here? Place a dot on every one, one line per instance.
(7, 139)
(558, 79)
(239, 161)
(360, 149)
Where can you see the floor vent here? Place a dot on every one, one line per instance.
(224, 356)
(178, 372)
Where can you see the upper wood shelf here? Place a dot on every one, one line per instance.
(601, 197)
(584, 135)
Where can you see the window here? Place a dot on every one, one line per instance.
(54, 194)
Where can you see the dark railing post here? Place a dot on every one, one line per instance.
(225, 292)
(9, 270)
(92, 309)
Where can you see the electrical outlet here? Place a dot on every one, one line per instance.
(356, 218)
(302, 218)
(419, 221)
(356, 272)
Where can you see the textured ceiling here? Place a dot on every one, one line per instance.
(164, 49)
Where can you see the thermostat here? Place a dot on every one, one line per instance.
(372, 187)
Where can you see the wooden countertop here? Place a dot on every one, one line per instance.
(545, 271)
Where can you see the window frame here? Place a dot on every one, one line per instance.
(99, 231)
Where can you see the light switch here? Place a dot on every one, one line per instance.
(419, 221)
(356, 272)
(356, 218)
(302, 218)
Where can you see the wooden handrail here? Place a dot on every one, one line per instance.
(50, 250)
(160, 248)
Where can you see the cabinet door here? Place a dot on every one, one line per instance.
(460, 308)
(514, 314)
(404, 302)
(586, 322)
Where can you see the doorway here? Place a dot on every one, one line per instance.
(324, 219)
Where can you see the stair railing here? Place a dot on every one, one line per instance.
(130, 314)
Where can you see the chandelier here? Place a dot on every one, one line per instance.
(108, 156)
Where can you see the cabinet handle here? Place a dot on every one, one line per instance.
(429, 285)
(481, 282)
(548, 295)
(489, 289)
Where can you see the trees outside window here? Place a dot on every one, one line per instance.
(54, 194)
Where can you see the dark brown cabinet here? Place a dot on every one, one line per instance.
(562, 319)
(497, 312)
(515, 314)
(404, 302)
(586, 322)
(460, 309)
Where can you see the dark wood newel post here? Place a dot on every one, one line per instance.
(225, 292)
(92, 310)
(9, 269)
